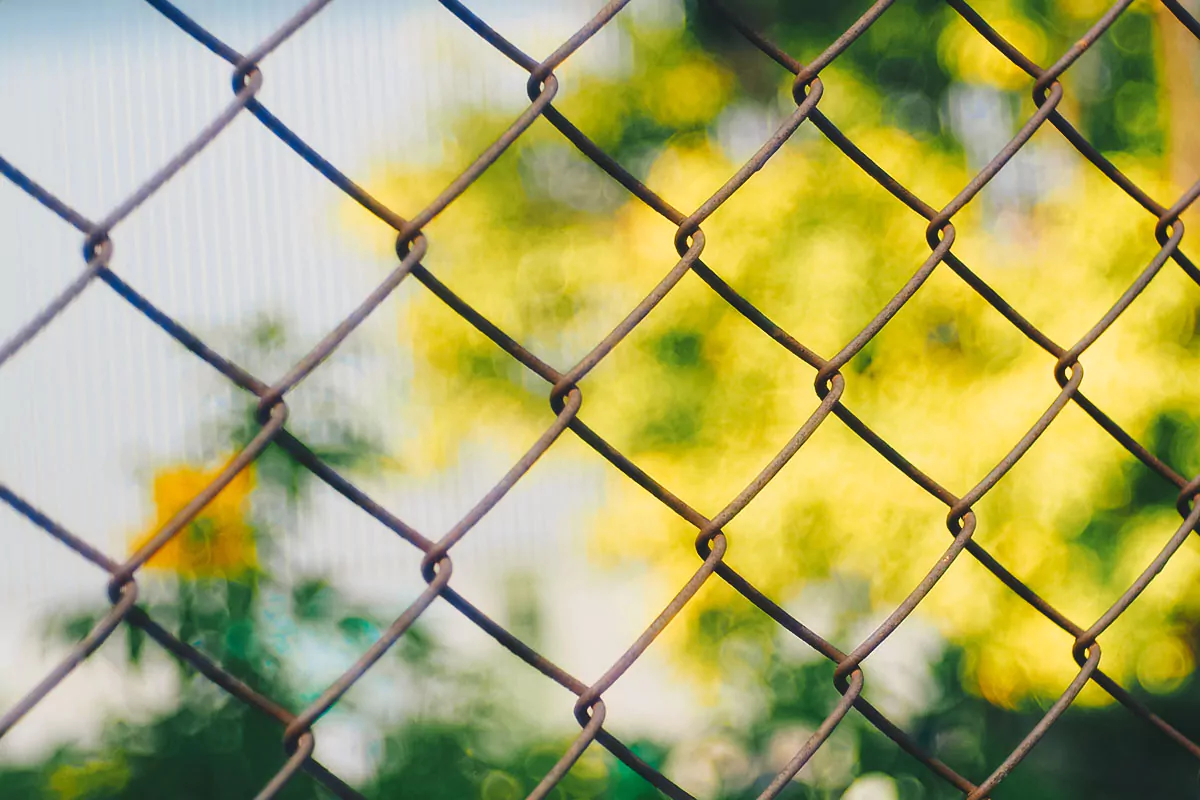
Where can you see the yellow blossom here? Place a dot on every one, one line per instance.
(219, 541)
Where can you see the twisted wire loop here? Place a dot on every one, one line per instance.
(566, 398)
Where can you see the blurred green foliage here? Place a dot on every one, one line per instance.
(208, 745)
(1114, 89)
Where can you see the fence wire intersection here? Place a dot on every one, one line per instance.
(566, 398)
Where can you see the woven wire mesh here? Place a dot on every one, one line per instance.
(566, 399)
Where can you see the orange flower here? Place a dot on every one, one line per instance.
(219, 541)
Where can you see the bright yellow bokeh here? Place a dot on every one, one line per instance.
(1088, 10)
(701, 399)
(973, 59)
(688, 94)
(219, 542)
(1165, 662)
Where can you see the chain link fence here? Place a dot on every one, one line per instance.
(566, 399)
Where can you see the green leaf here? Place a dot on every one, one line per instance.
(416, 646)
(313, 600)
(135, 640)
(358, 629)
(77, 626)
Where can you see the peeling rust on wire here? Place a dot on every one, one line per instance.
(566, 399)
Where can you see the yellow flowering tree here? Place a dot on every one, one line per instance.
(555, 254)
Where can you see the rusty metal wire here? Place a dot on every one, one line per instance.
(566, 399)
